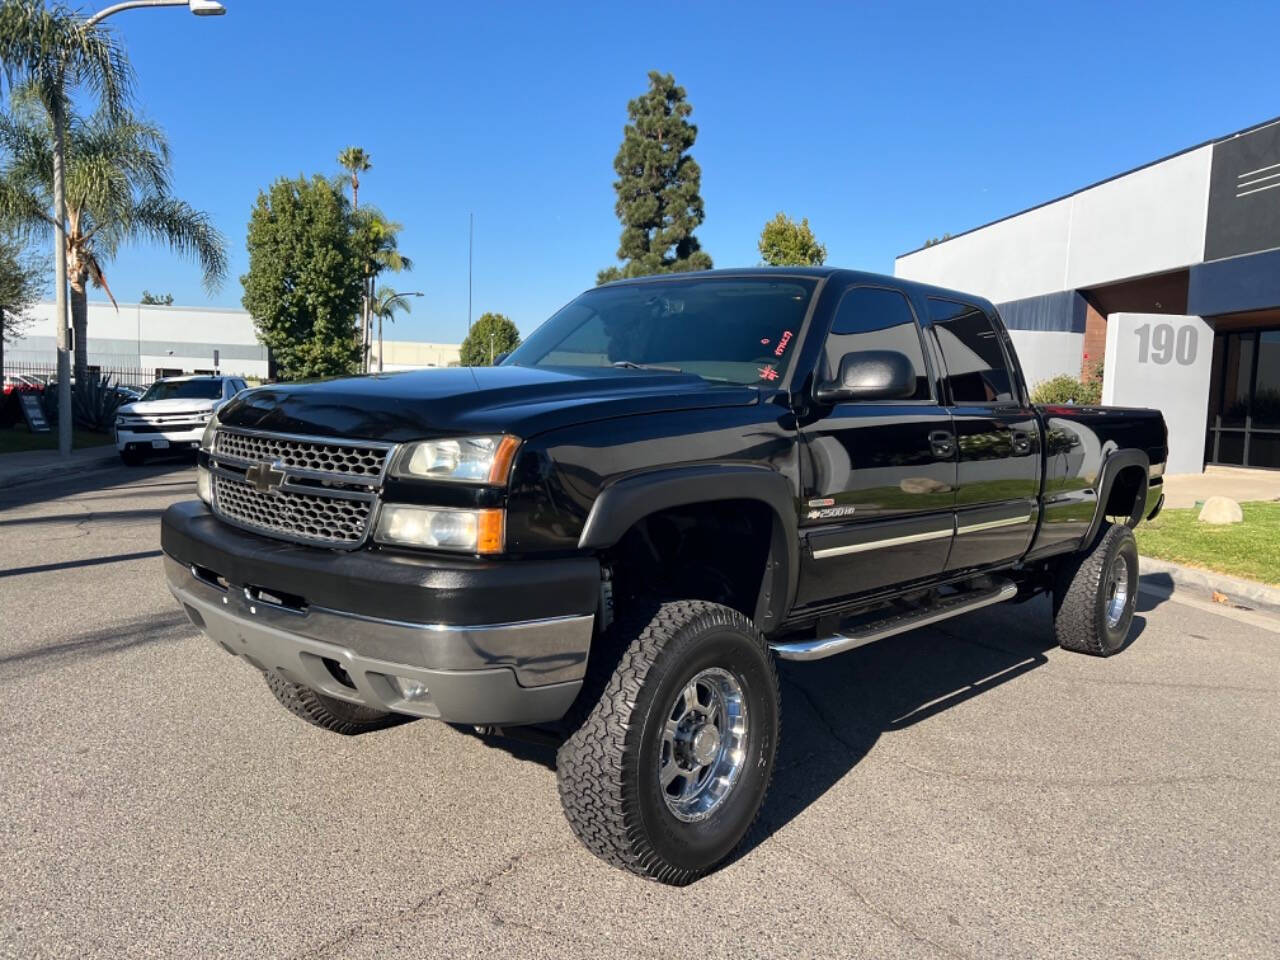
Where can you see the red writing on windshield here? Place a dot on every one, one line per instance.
(768, 373)
(782, 344)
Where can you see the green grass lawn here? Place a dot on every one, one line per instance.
(18, 439)
(1250, 549)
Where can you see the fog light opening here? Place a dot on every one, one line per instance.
(413, 690)
(338, 672)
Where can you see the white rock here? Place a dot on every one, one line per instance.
(1221, 510)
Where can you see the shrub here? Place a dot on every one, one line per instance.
(94, 402)
(1067, 389)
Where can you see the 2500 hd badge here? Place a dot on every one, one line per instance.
(611, 536)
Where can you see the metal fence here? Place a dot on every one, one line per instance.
(38, 374)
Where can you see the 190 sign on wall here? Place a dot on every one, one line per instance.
(1163, 343)
(1162, 361)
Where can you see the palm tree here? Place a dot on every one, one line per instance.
(117, 191)
(379, 243)
(52, 49)
(355, 161)
(385, 304)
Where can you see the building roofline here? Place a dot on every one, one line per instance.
(1098, 183)
(157, 306)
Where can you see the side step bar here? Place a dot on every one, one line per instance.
(842, 640)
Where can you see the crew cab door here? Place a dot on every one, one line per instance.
(877, 477)
(997, 435)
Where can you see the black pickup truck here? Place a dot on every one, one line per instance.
(617, 529)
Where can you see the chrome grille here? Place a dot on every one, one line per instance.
(294, 516)
(352, 459)
(308, 489)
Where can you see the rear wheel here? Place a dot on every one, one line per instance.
(670, 766)
(328, 712)
(1096, 594)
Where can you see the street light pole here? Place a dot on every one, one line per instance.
(201, 8)
(386, 307)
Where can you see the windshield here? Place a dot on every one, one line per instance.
(733, 330)
(184, 390)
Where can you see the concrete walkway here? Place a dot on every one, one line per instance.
(1184, 489)
(34, 465)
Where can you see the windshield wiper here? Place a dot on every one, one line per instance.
(632, 365)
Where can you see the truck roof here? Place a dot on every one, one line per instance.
(823, 272)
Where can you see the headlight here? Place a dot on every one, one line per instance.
(204, 479)
(204, 484)
(464, 459)
(442, 528)
(206, 439)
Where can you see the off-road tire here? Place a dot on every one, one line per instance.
(132, 458)
(607, 770)
(330, 713)
(1081, 595)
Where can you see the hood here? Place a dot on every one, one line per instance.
(524, 401)
(167, 407)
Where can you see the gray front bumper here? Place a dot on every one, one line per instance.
(501, 674)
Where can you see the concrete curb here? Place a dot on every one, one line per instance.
(57, 471)
(1203, 583)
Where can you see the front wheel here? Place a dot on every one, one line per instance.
(669, 769)
(132, 458)
(1096, 594)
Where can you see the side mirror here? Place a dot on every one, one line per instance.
(870, 375)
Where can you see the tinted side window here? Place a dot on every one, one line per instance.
(869, 318)
(976, 367)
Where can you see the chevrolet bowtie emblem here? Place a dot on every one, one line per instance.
(264, 477)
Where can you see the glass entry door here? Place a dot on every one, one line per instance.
(1244, 400)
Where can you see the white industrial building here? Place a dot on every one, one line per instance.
(168, 341)
(163, 341)
(1120, 269)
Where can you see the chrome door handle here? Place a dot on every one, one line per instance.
(942, 443)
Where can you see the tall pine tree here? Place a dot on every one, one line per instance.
(658, 183)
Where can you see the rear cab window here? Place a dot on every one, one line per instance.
(978, 370)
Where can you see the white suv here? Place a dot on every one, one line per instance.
(171, 415)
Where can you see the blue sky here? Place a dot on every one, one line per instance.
(883, 124)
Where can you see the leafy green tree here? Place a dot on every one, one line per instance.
(491, 335)
(658, 186)
(386, 302)
(156, 299)
(21, 280)
(117, 191)
(304, 279)
(377, 242)
(785, 243)
(355, 161)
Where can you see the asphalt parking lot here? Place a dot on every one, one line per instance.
(965, 791)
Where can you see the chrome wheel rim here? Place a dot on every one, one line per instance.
(1117, 591)
(704, 744)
